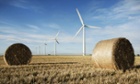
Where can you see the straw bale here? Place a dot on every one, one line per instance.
(17, 54)
(116, 53)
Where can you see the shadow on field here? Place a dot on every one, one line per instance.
(54, 63)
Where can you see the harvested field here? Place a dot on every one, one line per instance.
(65, 69)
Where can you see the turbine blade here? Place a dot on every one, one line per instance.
(91, 26)
(57, 34)
(56, 41)
(78, 32)
(80, 16)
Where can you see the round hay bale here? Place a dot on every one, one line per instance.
(18, 54)
(116, 53)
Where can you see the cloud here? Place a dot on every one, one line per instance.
(53, 25)
(122, 11)
(28, 33)
(129, 30)
(14, 30)
(20, 4)
(126, 8)
(120, 20)
(33, 27)
(64, 37)
(26, 4)
(20, 34)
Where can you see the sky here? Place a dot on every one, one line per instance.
(36, 22)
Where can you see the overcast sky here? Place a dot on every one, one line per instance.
(35, 22)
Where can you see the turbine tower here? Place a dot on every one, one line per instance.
(83, 28)
(55, 41)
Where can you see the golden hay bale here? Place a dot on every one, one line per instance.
(18, 54)
(114, 53)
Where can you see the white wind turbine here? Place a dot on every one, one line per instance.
(83, 28)
(45, 47)
(55, 41)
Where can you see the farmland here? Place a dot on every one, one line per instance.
(65, 70)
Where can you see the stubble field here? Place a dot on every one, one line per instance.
(65, 70)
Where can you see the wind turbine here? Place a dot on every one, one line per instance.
(45, 47)
(83, 28)
(55, 41)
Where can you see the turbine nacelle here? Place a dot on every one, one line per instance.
(89, 26)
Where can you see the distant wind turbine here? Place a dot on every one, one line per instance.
(45, 47)
(55, 41)
(83, 28)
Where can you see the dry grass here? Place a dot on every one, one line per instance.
(65, 70)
